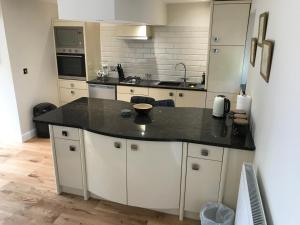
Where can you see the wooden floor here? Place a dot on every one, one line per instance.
(27, 195)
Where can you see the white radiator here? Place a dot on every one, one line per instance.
(249, 206)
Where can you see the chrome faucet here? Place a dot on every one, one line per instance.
(184, 78)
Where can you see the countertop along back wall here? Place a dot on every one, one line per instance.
(30, 44)
(185, 39)
(275, 112)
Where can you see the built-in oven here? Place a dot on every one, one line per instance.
(70, 55)
(71, 66)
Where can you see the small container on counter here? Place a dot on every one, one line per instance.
(240, 127)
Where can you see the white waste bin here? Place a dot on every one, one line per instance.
(216, 214)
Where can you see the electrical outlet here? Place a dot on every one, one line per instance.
(25, 71)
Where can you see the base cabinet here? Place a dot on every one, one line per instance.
(181, 98)
(106, 167)
(154, 174)
(68, 163)
(165, 176)
(202, 183)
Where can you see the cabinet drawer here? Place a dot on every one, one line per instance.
(162, 94)
(69, 95)
(73, 84)
(190, 98)
(68, 163)
(125, 97)
(202, 183)
(66, 132)
(132, 90)
(205, 152)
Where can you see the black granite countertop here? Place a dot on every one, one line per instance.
(192, 125)
(147, 83)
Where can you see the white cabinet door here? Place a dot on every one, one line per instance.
(202, 183)
(230, 24)
(162, 94)
(68, 163)
(69, 95)
(106, 166)
(154, 174)
(190, 99)
(225, 69)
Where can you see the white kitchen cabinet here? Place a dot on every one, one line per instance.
(202, 183)
(69, 95)
(154, 174)
(152, 12)
(205, 152)
(70, 90)
(225, 68)
(230, 23)
(68, 160)
(162, 94)
(73, 84)
(124, 93)
(190, 98)
(106, 166)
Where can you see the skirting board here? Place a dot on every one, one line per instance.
(28, 135)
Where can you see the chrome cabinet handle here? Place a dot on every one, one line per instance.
(72, 85)
(72, 148)
(204, 152)
(216, 50)
(134, 147)
(180, 94)
(171, 94)
(195, 166)
(216, 39)
(117, 145)
(64, 133)
(72, 92)
(131, 90)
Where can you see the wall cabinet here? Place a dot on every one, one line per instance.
(106, 167)
(154, 174)
(230, 23)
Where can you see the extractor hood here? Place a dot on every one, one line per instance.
(133, 32)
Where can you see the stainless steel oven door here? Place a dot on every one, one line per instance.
(71, 66)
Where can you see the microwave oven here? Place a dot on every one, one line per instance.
(69, 40)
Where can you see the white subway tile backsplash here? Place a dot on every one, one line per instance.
(158, 56)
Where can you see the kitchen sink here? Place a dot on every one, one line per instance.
(169, 83)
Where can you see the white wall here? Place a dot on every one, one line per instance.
(275, 112)
(185, 39)
(30, 44)
(9, 118)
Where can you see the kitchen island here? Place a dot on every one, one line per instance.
(174, 160)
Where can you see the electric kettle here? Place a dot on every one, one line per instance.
(221, 106)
